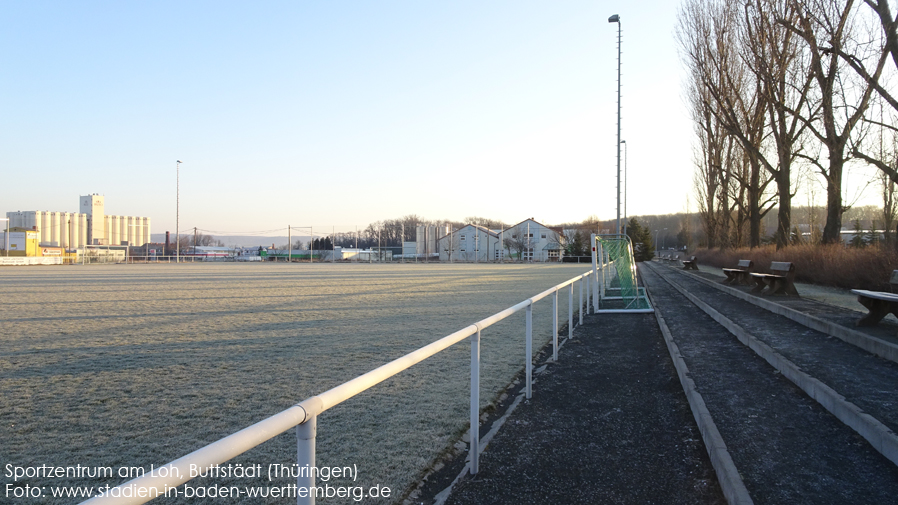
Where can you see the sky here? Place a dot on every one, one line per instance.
(339, 114)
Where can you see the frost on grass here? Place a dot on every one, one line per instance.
(141, 364)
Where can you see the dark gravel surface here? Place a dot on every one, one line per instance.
(787, 448)
(609, 423)
(886, 329)
(868, 381)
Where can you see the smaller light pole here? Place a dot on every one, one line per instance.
(624, 142)
(177, 211)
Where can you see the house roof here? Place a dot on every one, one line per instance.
(557, 229)
(476, 227)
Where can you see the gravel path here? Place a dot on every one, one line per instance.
(788, 448)
(607, 424)
(868, 381)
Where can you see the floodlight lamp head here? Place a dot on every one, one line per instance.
(614, 19)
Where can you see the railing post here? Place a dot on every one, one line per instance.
(602, 268)
(570, 311)
(528, 367)
(581, 301)
(555, 326)
(305, 458)
(588, 290)
(474, 450)
(595, 294)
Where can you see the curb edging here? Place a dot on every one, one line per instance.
(731, 483)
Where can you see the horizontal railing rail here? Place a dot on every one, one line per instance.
(303, 415)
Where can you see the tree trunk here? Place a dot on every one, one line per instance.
(754, 202)
(832, 229)
(784, 216)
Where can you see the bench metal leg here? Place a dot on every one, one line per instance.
(760, 284)
(878, 310)
(790, 289)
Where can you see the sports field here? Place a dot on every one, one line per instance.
(136, 365)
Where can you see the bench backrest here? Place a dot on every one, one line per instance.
(782, 266)
(692, 258)
(745, 264)
(894, 281)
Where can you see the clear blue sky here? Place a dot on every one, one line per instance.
(339, 113)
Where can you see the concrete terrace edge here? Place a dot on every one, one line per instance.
(877, 434)
(727, 474)
(868, 343)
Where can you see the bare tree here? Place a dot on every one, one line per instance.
(515, 240)
(201, 240)
(839, 103)
(492, 224)
(729, 100)
(450, 244)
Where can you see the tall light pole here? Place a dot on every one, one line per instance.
(616, 19)
(177, 211)
(624, 142)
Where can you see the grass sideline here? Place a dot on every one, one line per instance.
(136, 365)
(826, 265)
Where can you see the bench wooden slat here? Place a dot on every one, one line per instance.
(780, 282)
(878, 303)
(740, 273)
(878, 295)
(782, 266)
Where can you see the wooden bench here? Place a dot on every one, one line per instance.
(690, 264)
(740, 273)
(781, 282)
(878, 303)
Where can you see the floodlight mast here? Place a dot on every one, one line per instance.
(177, 211)
(616, 19)
(626, 179)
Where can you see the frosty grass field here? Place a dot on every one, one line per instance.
(133, 365)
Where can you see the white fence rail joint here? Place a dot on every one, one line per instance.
(303, 415)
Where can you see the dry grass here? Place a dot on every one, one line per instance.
(833, 265)
(140, 364)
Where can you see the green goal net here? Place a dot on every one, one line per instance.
(620, 289)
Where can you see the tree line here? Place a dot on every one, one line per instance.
(781, 91)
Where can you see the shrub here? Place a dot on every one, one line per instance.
(828, 265)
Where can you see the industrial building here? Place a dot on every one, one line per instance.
(427, 239)
(89, 226)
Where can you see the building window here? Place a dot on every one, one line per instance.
(514, 236)
(462, 237)
(543, 236)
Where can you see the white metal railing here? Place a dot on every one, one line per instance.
(304, 414)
